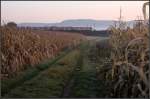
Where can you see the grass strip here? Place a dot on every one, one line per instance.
(8, 84)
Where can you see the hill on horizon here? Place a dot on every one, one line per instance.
(95, 24)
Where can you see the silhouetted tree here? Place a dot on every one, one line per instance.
(11, 24)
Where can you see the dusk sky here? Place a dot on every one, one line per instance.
(56, 11)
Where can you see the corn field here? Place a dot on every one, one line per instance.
(130, 60)
(23, 48)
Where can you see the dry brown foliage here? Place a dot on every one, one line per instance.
(22, 48)
(130, 58)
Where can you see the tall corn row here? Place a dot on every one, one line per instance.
(130, 56)
(22, 48)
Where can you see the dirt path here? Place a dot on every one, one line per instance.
(68, 87)
(84, 82)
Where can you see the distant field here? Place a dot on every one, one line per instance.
(101, 33)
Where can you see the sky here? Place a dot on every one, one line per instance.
(56, 11)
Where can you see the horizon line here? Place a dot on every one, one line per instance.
(3, 21)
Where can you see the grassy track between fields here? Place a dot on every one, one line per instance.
(11, 83)
(71, 74)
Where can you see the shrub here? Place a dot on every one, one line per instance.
(11, 24)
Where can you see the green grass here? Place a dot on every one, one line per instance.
(49, 83)
(51, 78)
(85, 84)
(8, 84)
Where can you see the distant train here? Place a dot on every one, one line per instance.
(56, 28)
(71, 28)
